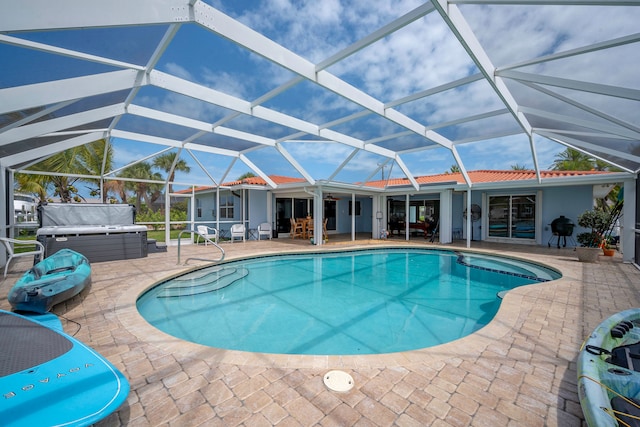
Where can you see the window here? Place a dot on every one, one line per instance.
(226, 206)
(198, 208)
(512, 216)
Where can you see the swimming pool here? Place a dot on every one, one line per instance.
(353, 302)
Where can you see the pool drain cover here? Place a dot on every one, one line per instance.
(338, 381)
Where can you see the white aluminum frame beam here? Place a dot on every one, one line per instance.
(297, 166)
(15, 41)
(588, 148)
(456, 22)
(608, 90)
(39, 94)
(65, 122)
(219, 23)
(552, 2)
(50, 149)
(589, 124)
(66, 14)
(584, 107)
(620, 41)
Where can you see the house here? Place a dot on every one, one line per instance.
(511, 206)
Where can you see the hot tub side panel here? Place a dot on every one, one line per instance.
(97, 247)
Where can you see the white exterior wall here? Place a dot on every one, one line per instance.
(446, 206)
(258, 208)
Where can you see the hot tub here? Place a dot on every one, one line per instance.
(96, 242)
(101, 232)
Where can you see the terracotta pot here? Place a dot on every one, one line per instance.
(608, 252)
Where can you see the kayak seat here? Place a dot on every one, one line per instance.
(61, 269)
(626, 356)
(628, 406)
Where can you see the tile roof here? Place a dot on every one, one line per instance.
(481, 176)
(254, 180)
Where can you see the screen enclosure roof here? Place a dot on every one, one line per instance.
(328, 92)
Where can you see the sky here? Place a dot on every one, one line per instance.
(419, 57)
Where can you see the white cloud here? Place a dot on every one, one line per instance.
(224, 82)
(179, 71)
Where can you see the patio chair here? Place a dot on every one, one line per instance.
(325, 235)
(10, 246)
(208, 233)
(308, 228)
(237, 230)
(264, 229)
(296, 229)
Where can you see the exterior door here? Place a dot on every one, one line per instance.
(330, 214)
(283, 215)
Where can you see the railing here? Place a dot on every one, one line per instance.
(207, 240)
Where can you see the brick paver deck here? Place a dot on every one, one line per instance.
(518, 371)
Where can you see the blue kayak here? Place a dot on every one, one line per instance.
(51, 281)
(48, 378)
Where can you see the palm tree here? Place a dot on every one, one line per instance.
(246, 175)
(118, 187)
(63, 162)
(32, 184)
(140, 173)
(82, 160)
(94, 159)
(573, 160)
(453, 169)
(166, 162)
(518, 167)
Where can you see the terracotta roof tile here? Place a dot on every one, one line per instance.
(475, 176)
(254, 180)
(482, 176)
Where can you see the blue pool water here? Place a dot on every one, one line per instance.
(356, 302)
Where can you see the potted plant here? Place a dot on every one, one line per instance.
(596, 221)
(607, 250)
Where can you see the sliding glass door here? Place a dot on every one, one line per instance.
(512, 216)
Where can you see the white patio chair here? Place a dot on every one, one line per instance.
(10, 245)
(208, 233)
(237, 230)
(264, 229)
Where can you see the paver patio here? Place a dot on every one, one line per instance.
(518, 371)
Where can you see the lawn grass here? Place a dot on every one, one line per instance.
(158, 235)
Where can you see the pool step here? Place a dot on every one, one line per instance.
(201, 282)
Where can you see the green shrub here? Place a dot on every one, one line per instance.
(596, 221)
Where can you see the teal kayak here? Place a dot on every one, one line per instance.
(609, 372)
(51, 281)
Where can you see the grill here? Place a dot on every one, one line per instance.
(561, 228)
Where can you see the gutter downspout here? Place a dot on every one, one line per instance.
(406, 217)
(218, 208)
(353, 217)
(317, 214)
(469, 218)
(244, 216)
